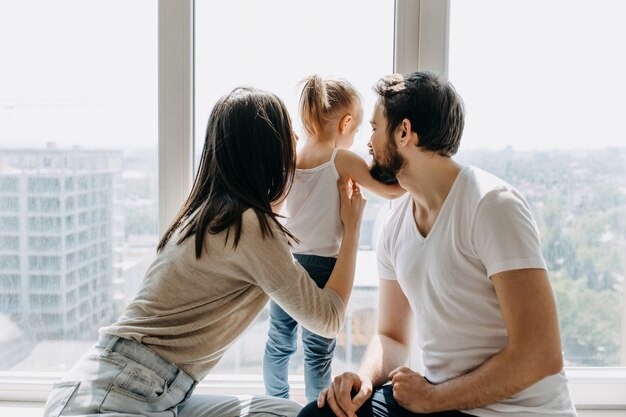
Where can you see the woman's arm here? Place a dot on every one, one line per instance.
(351, 165)
(270, 264)
(352, 205)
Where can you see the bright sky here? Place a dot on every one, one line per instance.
(534, 74)
(78, 73)
(273, 45)
(540, 74)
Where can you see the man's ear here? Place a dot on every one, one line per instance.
(344, 123)
(405, 133)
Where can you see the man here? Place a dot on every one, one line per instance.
(459, 260)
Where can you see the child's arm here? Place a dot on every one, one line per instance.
(351, 165)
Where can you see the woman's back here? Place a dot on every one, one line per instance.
(189, 310)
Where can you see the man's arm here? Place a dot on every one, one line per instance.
(532, 353)
(388, 349)
(390, 346)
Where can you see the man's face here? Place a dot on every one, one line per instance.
(386, 161)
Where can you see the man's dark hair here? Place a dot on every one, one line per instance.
(430, 103)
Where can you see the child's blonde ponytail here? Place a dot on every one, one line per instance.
(321, 100)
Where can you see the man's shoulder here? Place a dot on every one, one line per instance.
(395, 217)
(398, 208)
(483, 182)
(490, 189)
(481, 187)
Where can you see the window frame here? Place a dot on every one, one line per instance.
(176, 106)
(420, 43)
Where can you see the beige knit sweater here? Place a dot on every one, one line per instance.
(191, 310)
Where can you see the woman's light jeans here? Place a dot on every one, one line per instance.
(120, 377)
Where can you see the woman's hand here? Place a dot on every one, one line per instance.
(352, 204)
(339, 397)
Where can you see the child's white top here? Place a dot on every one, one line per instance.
(312, 210)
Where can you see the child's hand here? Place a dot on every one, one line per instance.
(352, 203)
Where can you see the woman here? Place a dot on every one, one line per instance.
(218, 263)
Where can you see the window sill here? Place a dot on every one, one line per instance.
(35, 386)
(591, 388)
(597, 387)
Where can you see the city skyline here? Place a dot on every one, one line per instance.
(584, 253)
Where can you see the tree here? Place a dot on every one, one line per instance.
(589, 321)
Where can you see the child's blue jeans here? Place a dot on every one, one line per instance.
(282, 342)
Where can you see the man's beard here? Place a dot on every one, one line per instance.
(387, 170)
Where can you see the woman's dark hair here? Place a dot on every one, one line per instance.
(248, 161)
(430, 103)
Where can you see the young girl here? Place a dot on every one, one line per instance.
(221, 259)
(331, 113)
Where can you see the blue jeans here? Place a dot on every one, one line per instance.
(282, 342)
(380, 404)
(120, 377)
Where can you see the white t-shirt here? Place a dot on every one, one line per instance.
(484, 227)
(312, 210)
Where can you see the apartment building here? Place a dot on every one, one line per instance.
(57, 231)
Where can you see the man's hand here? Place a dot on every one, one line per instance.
(339, 394)
(411, 390)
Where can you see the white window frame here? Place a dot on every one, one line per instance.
(176, 106)
(421, 43)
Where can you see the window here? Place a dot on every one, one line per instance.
(44, 204)
(9, 262)
(8, 281)
(9, 204)
(44, 281)
(78, 116)
(44, 263)
(8, 223)
(90, 120)
(8, 184)
(44, 185)
(543, 112)
(10, 242)
(43, 224)
(275, 53)
(44, 243)
(537, 60)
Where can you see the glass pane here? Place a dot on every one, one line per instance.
(78, 172)
(348, 39)
(544, 87)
